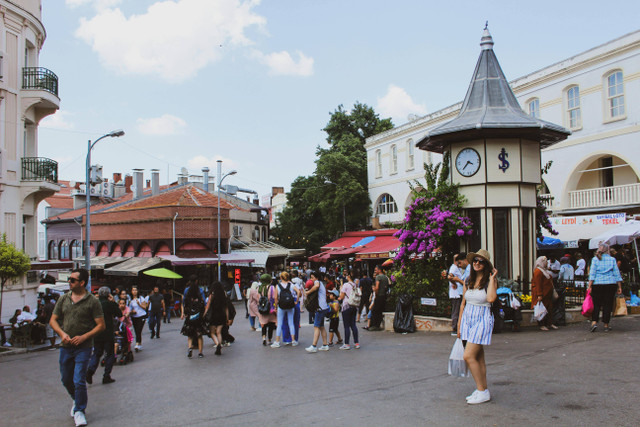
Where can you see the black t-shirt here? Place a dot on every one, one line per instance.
(156, 303)
(366, 285)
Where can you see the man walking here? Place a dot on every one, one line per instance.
(458, 273)
(81, 316)
(380, 290)
(156, 311)
(104, 341)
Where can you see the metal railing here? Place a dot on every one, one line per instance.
(605, 196)
(547, 200)
(39, 78)
(39, 169)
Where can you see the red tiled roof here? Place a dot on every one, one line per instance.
(188, 195)
(60, 202)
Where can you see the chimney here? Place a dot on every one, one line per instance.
(138, 180)
(155, 181)
(117, 177)
(276, 190)
(256, 201)
(148, 184)
(205, 179)
(128, 182)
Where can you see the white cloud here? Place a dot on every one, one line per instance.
(59, 121)
(398, 104)
(283, 64)
(173, 39)
(163, 125)
(97, 4)
(198, 162)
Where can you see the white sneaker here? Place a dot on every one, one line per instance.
(294, 343)
(472, 394)
(345, 347)
(275, 345)
(7, 344)
(80, 419)
(324, 348)
(73, 406)
(480, 397)
(312, 349)
(287, 343)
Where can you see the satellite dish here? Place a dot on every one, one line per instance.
(184, 171)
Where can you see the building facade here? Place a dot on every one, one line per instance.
(28, 93)
(594, 171)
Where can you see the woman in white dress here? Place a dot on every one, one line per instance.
(475, 324)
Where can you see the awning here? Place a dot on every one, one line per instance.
(345, 251)
(224, 259)
(379, 248)
(321, 257)
(259, 258)
(100, 262)
(132, 267)
(343, 242)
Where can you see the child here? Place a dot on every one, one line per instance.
(372, 298)
(334, 316)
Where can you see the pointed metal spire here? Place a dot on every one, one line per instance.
(490, 109)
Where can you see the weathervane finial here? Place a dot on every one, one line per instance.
(486, 25)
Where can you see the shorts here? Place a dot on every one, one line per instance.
(318, 321)
(333, 325)
(49, 331)
(369, 314)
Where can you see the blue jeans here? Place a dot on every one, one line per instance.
(282, 313)
(318, 321)
(100, 347)
(349, 321)
(286, 334)
(73, 370)
(154, 322)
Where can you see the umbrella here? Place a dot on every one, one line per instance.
(163, 273)
(625, 233)
(388, 262)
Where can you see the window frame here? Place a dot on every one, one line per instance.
(394, 159)
(573, 108)
(536, 102)
(608, 116)
(411, 155)
(386, 205)
(378, 161)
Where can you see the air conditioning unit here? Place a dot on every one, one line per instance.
(106, 189)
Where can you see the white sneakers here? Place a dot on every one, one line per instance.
(80, 419)
(324, 348)
(294, 343)
(345, 347)
(275, 345)
(312, 349)
(479, 397)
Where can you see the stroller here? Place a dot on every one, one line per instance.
(510, 310)
(123, 340)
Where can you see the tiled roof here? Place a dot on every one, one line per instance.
(185, 195)
(60, 202)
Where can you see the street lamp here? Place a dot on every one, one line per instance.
(87, 185)
(220, 179)
(344, 216)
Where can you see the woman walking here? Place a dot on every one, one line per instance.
(475, 325)
(318, 288)
(193, 315)
(267, 319)
(217, 314)
(542, 291)
(349, 313)
(253, 298)
(138, 307)
(285, 301)
(604, 275)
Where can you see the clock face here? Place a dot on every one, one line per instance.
(468, 162)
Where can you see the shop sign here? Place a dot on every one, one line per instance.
(588, 220)
(237, 275)
(428, 301)
(374, 256)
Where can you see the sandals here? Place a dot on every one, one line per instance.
(544, 328)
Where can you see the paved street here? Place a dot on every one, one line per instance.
(568, 377)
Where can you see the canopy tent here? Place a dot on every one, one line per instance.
(259, 258)
(224, 259)
(132, 267)
(621, 235)
(100, 262)
(549, 243)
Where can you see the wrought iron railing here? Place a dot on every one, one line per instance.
(605, 196)
(39, 78)
(39, 169)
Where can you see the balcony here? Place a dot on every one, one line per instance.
(40, 79)
(39, 169)
(547, 201)
(619, 195)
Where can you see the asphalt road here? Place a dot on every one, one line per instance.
(568, 377)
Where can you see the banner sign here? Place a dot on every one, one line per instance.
(588, 220)
(428, 301)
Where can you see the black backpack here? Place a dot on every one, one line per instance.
(286, 300)
(264, 306)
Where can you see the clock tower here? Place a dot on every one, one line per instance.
(494, 149)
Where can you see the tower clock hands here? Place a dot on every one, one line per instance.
(467, 164)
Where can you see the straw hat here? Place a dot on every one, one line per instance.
(482, 254)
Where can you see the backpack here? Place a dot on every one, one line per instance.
(355, 297)
(286, 300)
(311, 301)
(264, 306)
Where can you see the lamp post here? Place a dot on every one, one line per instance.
(344, 215)
(87, 185)
(220, 179)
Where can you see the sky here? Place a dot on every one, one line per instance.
(253, 83)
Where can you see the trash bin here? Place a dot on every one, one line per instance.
(404, 321)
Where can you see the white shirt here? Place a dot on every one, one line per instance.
(580, 266)
(554, 268)
(25, 316)
(457, 292)
(137, 307)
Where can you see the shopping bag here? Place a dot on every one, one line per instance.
(457, 365)
(539, 311)
(515, 303)
(621, 307)
(587, 305)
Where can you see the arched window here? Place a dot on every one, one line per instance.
(64, 250)
(76, 249)
(386, 205)
(615, 95)
(574, 118)
(378, 164)
(52, 251)
(534, 108)
(394, 158)
(410, 155)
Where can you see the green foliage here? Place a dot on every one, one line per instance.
(316, 204)
(542, 214)
(13, 264)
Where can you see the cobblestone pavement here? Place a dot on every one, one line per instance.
(566, 377)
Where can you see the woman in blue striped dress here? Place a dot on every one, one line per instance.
(475, 325)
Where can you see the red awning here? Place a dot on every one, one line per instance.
(345, 251)
(321, 257)
(343, 242)
(379, 248)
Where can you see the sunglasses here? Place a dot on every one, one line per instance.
(72, 280)
(478, 260)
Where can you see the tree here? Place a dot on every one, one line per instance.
(542, 214)
(13, 265)
(337, 192)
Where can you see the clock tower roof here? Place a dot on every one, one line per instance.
(491, 110)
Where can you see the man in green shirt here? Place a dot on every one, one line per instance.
(77, 318)
(380, 289)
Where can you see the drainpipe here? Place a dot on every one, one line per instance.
(174, 233)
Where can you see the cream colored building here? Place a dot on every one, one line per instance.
(595, 94)
(28, 93)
